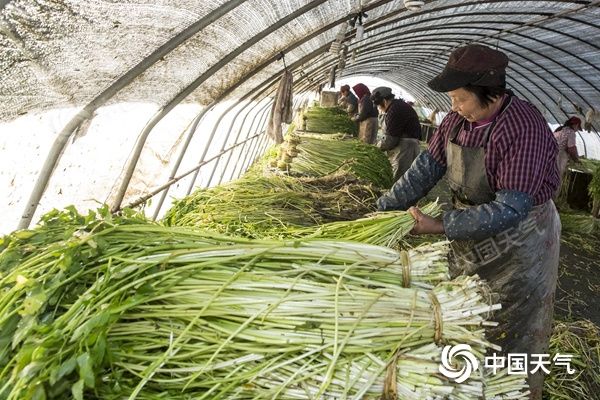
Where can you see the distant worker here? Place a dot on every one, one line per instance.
(347, 100)
(401, 130)
(367, 115)
(567, 146)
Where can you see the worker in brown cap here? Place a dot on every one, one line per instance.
(499, 157)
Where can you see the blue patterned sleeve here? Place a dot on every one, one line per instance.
(489, 219)
(420, 178)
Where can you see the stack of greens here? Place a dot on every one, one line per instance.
(580, 339)
(320, 156)
(119, 309)
(253, 206)
(329, 120)
(594, 190)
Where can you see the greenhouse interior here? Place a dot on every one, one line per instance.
(318, 199)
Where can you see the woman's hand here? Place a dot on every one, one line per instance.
(424, 223)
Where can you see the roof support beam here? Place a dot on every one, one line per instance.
(87, 112)
(143, 136)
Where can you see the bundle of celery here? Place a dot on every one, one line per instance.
(580, 339)
(319, 156)
(253, 206)
(382, 228)
(328, 120)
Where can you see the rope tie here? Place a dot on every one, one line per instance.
(437, 318)
(406, 268)
(390, 383)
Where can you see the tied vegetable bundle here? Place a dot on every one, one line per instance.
(307, 155)
(117, 310)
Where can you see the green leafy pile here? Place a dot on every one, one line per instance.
(117, 307)
(329, 120)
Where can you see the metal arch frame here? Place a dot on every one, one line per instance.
(561, 14)
(583, 22)
(261, 67)
(88, 110)
(235, 140)
(535, 24)
(445, 104)
(259, 142)
(260, 112)
(193, 181)
(543, 91)
(584, 146)
(262, 128)
(531, 93)
(251, 145)
(212, 174)
(499, 31)
(251, 131)
(174, 180)
(269, 81)
(215, 128)
(147, 196)
(530, 71)
(522, 56)
(248, 139)
(133, 160)
(547, 17)
(233, 119)
(466, 4)
(262, 122)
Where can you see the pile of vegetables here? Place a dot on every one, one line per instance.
(253, 206)
(114, 307)
(329, 120)
(306, 155)
(579, 223)
(257, 206)
(581, 339)
(594, 191)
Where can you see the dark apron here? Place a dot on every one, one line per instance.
(520, 264)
